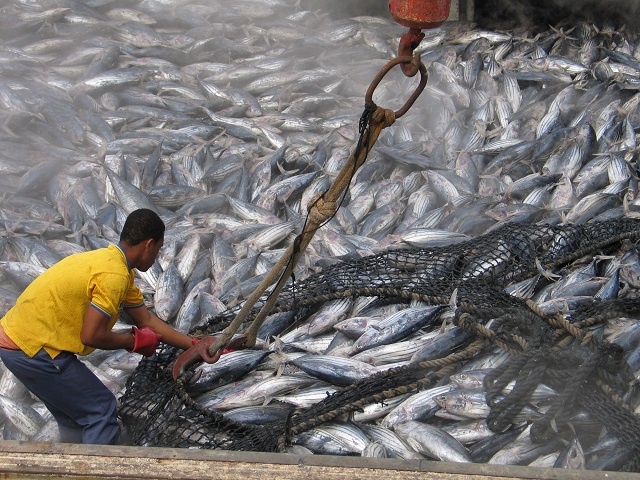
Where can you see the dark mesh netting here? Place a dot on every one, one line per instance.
(482, 282)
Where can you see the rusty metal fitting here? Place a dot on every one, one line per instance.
(405, 60)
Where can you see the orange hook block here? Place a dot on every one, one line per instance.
(420, 14)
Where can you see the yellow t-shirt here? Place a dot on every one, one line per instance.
(50, 312)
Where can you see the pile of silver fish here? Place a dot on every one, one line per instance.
(229, 118)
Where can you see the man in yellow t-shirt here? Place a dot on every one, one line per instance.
(70, 310)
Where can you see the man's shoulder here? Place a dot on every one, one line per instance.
(107, 260)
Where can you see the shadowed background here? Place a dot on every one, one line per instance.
(512, 13)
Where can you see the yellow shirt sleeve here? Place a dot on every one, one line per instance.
(105, 290)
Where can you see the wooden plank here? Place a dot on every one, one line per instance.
(21, 460)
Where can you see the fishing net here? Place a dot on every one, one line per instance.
(473, 277)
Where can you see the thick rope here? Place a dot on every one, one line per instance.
(321, 210)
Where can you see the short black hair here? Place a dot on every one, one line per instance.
(141, 225)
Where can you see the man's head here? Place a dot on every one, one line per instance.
(142, 236)
(141, 225)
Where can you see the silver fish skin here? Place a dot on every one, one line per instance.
(322, 443)
(395, 446)
(201, 271)
(85, 193)
(65, 119)
(222, 257)
(623, 333)
(271, 387)
(389, 191)
(258, 415)
(523, 186)
(593, 175)
(222, 398)
(238, 272)
(228, 368)
(21, 273)
(522, 451)
(465, 404)
(307, 397)
(396, 352)
(242, 290)
(441, 345)
(329, 314)
(210, 203)
(374, 411)
(108, 79)
(49, 432)
(185, 259)
(223, 168)
(374, 449)
(36, 177)
(334, 370)
(122, 360)
(21, 415)
(129, 197)
(348, 434)
(268, 237)
(396, 327)
(115, 384)
(564, 305)
(283, 190)
(361, 204)
(545, 461)
(7, 299)
(474, 380)
(469, 432)
(433, 442)
(571, 457)
(189, 313)
(261, 390)
(12, 388)
(317, 344)
(210, 306)
(250, 212)
(418, 204)
(34, 252)
(298, 450)
(417, 407)
(339, 345)
(471, 379)
(169, 294)
(424, 237)
(354, 327)
(174, 196)
(130, 14)
(34, 208)
(581, 287)
(275, 324)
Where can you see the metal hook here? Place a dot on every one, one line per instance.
(408, 43)
(415, 60)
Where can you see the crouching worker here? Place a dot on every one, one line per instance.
(70, 310)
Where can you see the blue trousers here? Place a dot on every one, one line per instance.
(85, 409)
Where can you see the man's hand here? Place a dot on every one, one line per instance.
(145, 341)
